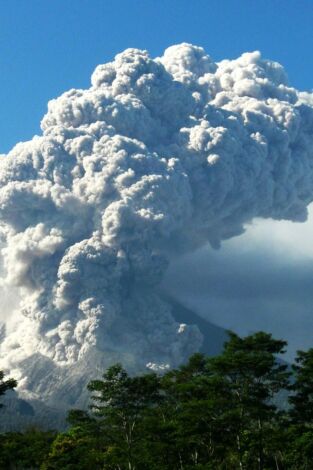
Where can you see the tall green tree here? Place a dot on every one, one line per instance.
(249, 368)
(121, 403)
(193, 416)
(302, 397)
(300, 432)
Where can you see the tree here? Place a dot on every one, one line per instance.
(73, 450)
(78, 448)
(121, 402)
(300, 450)
(24, 450)
(6, 385)
(250, 369)
(302, 397)
(213, 413)
(192, 412)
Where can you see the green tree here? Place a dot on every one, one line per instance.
(6, 385)
(219, 412)
(192, 418)
(81, 447)
(250, 369)
(213, 413)
(300, 452)
(73, 450)
(302, 397)
(24, 450)
(121, 402)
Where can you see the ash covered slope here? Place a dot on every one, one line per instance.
(155, 159)
(61, 388)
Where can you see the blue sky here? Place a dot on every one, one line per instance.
(50, 46)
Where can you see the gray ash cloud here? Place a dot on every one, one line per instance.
(155, 159)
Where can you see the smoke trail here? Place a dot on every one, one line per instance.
(155, 159)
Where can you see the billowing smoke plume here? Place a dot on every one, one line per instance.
(157, 158)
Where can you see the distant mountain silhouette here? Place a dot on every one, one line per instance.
(214, 336)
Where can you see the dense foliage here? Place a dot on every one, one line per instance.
(221, 412)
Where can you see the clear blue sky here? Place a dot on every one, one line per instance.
(49, 46)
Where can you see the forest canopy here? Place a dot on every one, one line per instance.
(243, 409)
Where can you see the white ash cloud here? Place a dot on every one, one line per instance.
(155, 159)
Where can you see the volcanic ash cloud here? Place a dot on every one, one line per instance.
(156, 158)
